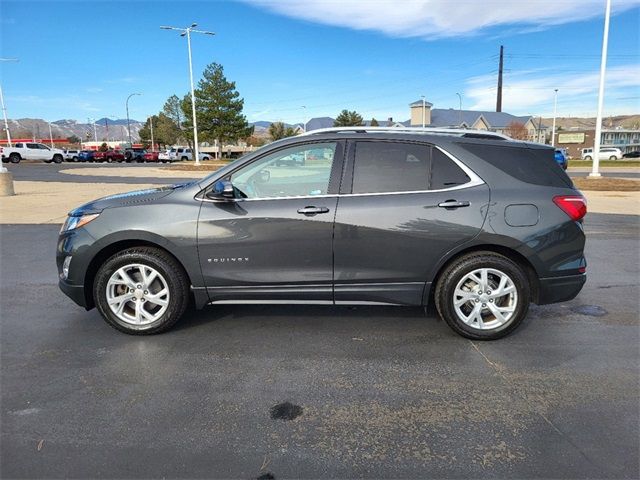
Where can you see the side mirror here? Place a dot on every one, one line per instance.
(222, 190)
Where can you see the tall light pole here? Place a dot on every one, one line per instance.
(603, 68)
(187, 32)
(50, 135)
(128, 123)
(459, 110)
(304, 118)
(555, 113)
(424, 107)
(4, 109)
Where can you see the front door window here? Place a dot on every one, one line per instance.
(300, 171)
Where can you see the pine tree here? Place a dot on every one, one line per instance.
(374, 123)
(219, 109)
(348, 119)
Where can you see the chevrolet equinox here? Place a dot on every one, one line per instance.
(476, 223)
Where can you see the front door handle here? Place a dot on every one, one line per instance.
(312, 210)
(453, 204)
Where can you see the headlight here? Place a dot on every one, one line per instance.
(76, 222)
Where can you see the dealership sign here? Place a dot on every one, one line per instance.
(571, 138)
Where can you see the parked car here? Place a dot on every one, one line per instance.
(560, 156)
(477, 223)
(71, 155)
(151, 156)
(134, 154)
(634, 154)
(180, 153)
(85, 156)
(108, 156)
(606, 153)
(31, 151)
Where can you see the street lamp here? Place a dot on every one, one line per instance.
(187, 32)
(304, 109)
(555, 113)
(460, 110)
(128, 124)
(4, 110)
(603, 68)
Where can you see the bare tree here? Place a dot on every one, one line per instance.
(517, 131)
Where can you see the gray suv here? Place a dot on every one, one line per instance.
(475, 223)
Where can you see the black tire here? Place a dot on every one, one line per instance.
(166, 265)
(74, 159)
(588, 158)
(613, 157)
(15, 158)
(184, 159)
(205, 159)
(58, 158)
(109, 159)
(454, 272)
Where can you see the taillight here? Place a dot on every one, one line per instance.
(573, 205)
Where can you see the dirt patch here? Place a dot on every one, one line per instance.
(607, 184)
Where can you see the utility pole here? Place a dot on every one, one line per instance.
(499, 100)
(187, 32)
(603, 68)
(424, 107)
(555, 113)
(50, 135)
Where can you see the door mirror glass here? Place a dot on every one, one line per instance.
(222, 190)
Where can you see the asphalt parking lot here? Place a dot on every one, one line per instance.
(370, 391)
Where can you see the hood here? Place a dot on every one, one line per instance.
(125, 199)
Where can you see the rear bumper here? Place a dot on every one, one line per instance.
(560, 289)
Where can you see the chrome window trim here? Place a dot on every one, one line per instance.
(474, 181)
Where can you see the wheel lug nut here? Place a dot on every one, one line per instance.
(484, 304)
(488, 292)
(480, 292)
(146, 292)
(477, 300)
(491, 300)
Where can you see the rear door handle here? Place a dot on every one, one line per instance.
(312, 210)
(453, 204)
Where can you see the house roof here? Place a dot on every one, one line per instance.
(441, 117)
(319, 122)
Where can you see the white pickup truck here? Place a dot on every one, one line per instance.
(180, 153)
(31, 151)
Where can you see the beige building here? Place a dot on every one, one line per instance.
(479, 120)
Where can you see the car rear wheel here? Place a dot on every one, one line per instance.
(58, 158)
(613, 157)
(141, 291)
(483, 295)
(588, 158)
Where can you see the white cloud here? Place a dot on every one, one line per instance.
(431, 19)
(533, 91)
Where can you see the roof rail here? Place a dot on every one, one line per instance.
(419, 130)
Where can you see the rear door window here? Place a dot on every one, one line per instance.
(383, 167)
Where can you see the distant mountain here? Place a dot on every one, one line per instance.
(113, 130)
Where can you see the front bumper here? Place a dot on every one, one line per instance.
(74, 292)
(560, 289)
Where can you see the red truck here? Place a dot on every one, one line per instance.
(108, 156)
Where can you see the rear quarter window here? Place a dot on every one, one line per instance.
(531, 165)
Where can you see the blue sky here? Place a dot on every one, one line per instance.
(82, 59)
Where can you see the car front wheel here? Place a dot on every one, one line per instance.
(613, 157)
(141, 291)
(588, 158)
(483, 295)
